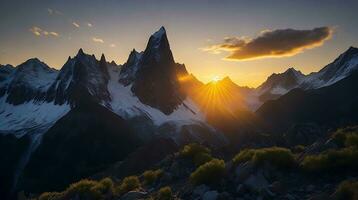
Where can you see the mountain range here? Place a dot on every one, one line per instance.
(58, 126)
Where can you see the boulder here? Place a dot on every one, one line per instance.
(133, 195)
(256, 181)
(244, 170)
(277, 187)
(200, 190)
(211, 195)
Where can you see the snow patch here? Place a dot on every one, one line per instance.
(127, 105)
(29, 115)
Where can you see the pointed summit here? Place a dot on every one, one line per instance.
(80, 52)
(158, 40)
(349, 53)
(130, 68)
(352, 49)
(160, 32)
(156, 83)
(103, 59)
(133, 57)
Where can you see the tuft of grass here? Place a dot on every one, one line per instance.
(347, 190)
(346, 137)
(84, 189)
(202, 158)
(150, 176)
(104, 186)
(209, 172)
(191, 150)
(332, 160)
(351, 140)
(197, 153)
(128, 184)
(298, 149)
(244, 156)
(277, 156)
(51, 196)
(165, 193)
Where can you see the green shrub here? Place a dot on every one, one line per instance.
(243, 156)
(347, 190)
(346, 137)
(209, 172)
(51, 196)
(202, 158)
(165, 193)
(351, 140)
(332, 160)
(191, 150)
(277, 156)
(150, 176)
(298, 149)
(128, 184)
(83, 189)
(104, 186)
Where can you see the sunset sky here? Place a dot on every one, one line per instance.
(246, 40)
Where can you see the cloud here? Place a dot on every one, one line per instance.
(75, 24)
(36, 30)
(272, 43)
(112, 45)
(89, 25)
(54, 33)
(99, 40)
(52, 11)
(40, 32)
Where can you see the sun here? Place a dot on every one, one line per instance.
(216, 79)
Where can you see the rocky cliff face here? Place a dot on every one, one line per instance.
(80, 75)
(156, 83)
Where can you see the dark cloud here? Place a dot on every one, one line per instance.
(272, 43)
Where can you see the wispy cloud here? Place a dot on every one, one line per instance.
(54, 33)
(40, 32)
(53, 11)
(89, 24)
(75, 24)
(50, 11)
(36, 30)
(272, 43)
(99, 40)
(112, 45)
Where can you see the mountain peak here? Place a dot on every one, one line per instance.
(33, 63)
(33, 60)
(352, 48)
(351, 51)
(80, 52)
(159, 40)
(103, 59)
(160, 32)
(294, 72)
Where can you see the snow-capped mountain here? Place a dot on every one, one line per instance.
(156, 79)
(143, 94)
(33, 94)
(340, 68)
(79, 76)
(130, 68)
(281, 83)
(5, 70)
(30, 80)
